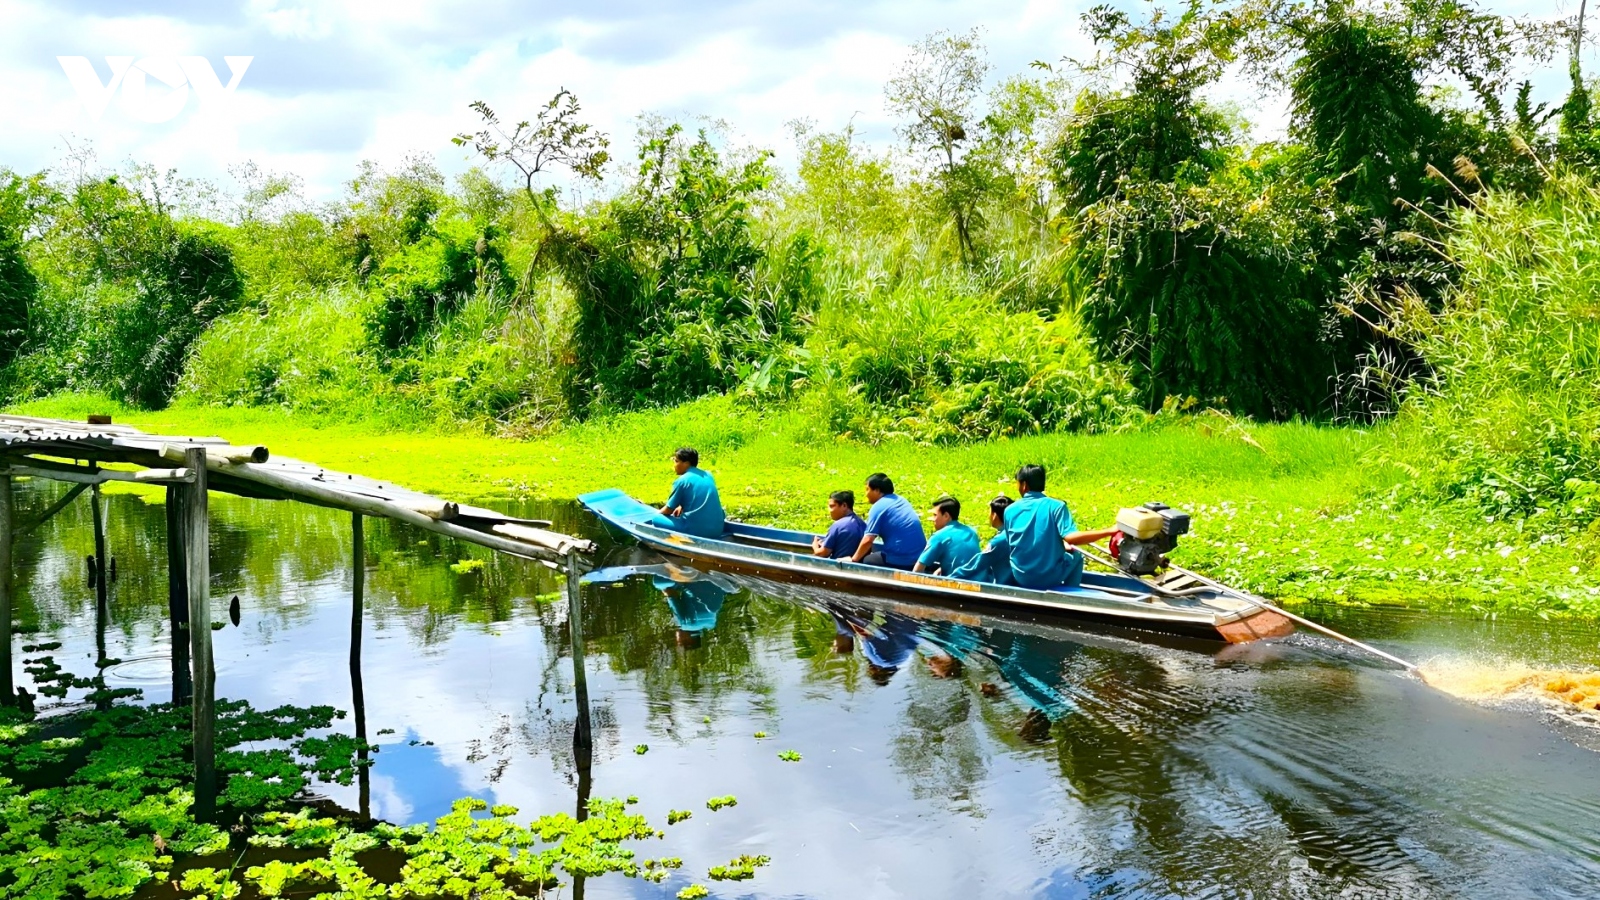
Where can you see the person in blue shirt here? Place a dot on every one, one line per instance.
(694, 507)
(1042, 536)
(993, 565)
(844, 535)
(953, 544)
(893, 519)
(694, 605)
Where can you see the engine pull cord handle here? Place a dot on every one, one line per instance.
(1263, 604)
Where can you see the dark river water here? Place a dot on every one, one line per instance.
(1050, 762)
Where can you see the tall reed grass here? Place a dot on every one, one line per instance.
(1510, 418)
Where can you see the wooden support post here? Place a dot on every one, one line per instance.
(582, 738)
(178, 596)
(197, 552)
(8, 691)
(358, 697)
(101, 565)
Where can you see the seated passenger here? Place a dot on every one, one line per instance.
(893, 519)
(1042, 536)
(993, 565)
(844, 535)
(694, 507)
(953, 544)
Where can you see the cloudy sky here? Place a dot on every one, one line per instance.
(332, 83)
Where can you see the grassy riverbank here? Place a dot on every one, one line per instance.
(1296, 511)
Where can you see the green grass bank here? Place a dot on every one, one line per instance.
(1299, 512)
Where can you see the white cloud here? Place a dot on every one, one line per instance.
(334, 83)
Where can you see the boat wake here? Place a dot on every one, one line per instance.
(1497, 682)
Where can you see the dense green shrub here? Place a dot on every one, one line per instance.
(126, 289)
(1511, 419)
(676, 293)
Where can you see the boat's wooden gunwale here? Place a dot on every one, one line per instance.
(707, 548)
(781, 538)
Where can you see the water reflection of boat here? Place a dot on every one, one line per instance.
(1194, 611)
(695, 598)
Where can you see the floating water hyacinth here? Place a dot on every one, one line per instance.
(789, 756)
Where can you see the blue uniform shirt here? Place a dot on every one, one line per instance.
(950, 548)
(696, 492)
(1035, 527)
(844, 536)
(992, 566)
(893, 519)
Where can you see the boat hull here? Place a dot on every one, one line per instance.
(1106, 599)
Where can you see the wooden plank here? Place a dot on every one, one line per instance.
(334, 497)
(197, 552)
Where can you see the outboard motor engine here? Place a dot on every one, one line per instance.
(1147, 535)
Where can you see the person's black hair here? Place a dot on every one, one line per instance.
(846, 499)
(998, 505)
(880, 483)
(687, 454)
(950, 506)
(1031, 477)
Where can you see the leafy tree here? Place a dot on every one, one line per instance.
(19, 201)
(555, 137)
(936, 94)
(676, 295)
(1357, 103)
(132, 285)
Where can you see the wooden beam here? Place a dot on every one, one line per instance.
(178, 596)
(81, 475)
(218, 454)
(8, 691)
(358, 696)
(582, 733)
(197, 552)
(47, 515)
(306, 488)
(102, 567)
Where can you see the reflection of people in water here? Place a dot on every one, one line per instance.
(694, 605)
(844, 637)
(1035, 668)
(887, 646)
(944, 645)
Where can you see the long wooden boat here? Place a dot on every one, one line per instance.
(1171, 605)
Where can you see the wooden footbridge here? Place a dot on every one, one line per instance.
(88, 454)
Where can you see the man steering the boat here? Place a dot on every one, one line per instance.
(1042, 536)
(695, 507)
